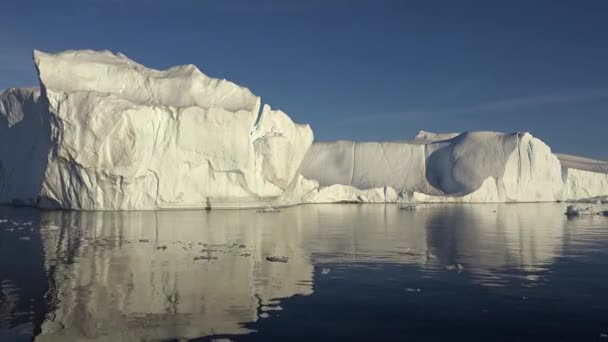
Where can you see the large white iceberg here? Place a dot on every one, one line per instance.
(123, 136)
(468, 167)
(106, 133)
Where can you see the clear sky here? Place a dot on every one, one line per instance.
(361, 70)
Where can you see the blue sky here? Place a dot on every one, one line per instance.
(362, 70)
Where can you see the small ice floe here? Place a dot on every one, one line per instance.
(197, 258)
(325, 271)
(409, 207)
(269, 210)
(408, 252)
(457, 267)
(277, 258)
(208, 250)
(3, 221)
(24, 238)
(604, 335)
(575, 210)
(410, 289)
(430, 256)
(267, 308)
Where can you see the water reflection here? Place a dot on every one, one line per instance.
(182, 274)
(158, 275)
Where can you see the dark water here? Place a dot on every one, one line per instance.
(319, 272)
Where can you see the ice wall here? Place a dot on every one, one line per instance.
(106, 133)
(583, 178)
(118, 135)
(470, 167)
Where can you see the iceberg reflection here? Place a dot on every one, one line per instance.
(183, 274)
(159, 275)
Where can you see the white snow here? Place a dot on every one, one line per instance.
(107, 133)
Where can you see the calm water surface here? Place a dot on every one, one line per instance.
(317, 272)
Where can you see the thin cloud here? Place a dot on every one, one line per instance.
(512, 104)
(533, 101)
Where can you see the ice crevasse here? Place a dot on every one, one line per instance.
(103, 132)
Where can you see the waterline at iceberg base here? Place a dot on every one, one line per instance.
(103, 132)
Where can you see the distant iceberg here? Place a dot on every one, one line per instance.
(103, 132)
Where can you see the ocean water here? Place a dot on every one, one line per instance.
(344, 272)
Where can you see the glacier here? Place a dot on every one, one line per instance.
(103, 132)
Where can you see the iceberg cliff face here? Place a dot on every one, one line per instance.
(123, 136)
(583, 178)
(470, 167)
(106, 133)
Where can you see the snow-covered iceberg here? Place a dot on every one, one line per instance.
(103, 132)
(468, 167)
(122, 136)
(584, 178)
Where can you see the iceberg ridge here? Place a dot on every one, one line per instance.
(103, 132)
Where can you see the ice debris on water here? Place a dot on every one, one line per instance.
(411, 207)
(277, 258)
(575, 210)
(204, 258)
(269, 210)
(457, 267)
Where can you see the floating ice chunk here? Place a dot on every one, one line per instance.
(269, 210)
(457, 267)
(409, 207)
(197, 258)
(575, 210)
(277, 259)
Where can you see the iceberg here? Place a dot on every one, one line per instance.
(575, 210)
(103, 132)
(583, 178)
(468, 167)
(120, 136)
